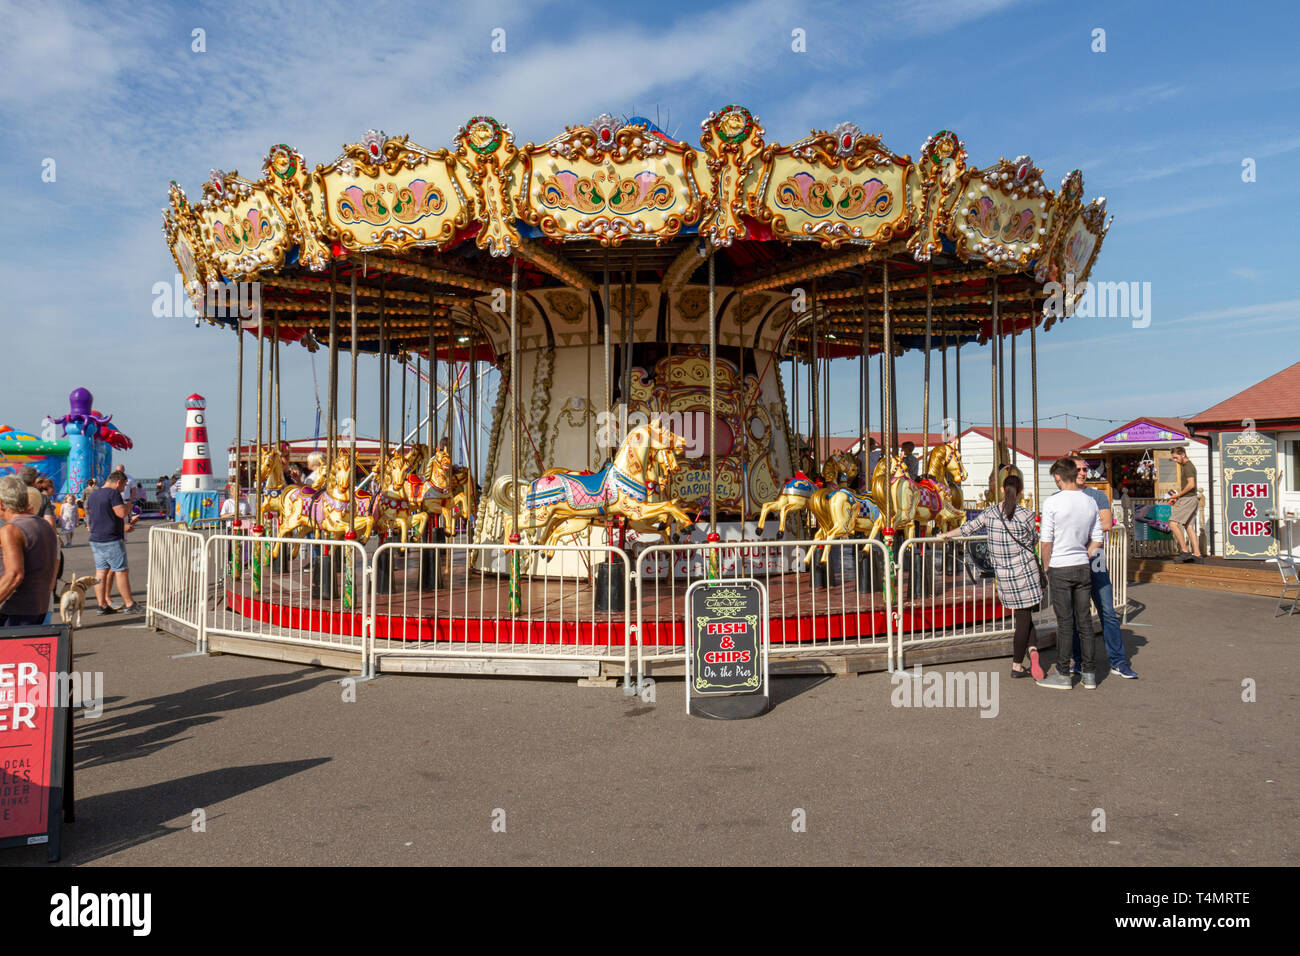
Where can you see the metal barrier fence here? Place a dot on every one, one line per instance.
(839, 605)
(946, 595)
(500, 601)
(254, 594)
(1117, 552)
(174, 583)
(407, 602)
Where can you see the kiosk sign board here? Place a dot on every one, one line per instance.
(727, 645)
(1249, 462)
(34, 726)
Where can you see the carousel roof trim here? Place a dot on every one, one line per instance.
(836, 203)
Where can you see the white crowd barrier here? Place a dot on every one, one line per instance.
(501, 601)
(406, 603)
(174, 583)
(318, 597)
(945, 594)
(840, 605)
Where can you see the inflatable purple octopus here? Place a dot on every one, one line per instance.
(81, 401)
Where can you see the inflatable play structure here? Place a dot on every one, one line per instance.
(84, 452)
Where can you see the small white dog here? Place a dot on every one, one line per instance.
(73, 600)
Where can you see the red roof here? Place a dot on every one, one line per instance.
(1277, 398)
(1053, 443)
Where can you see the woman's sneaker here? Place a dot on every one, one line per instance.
(1124, 670)
(1090, 681)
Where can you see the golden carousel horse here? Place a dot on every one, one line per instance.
(798, 493)
(270, 476)
(326, 511)
(443, 488)
(934, 501)
(565, 503)
(391, 505)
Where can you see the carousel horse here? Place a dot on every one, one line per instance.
(443, 489)
(326, 510)
(935, 500)
(660, 465)
(797, 493)
(270, 477)
(391, 506)
(840, 513)
(565, 502)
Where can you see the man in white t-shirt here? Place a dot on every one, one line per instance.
(1103, 594)
(1071, 537)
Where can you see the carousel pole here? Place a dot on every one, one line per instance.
(999, 395)
(864, 451)
(1014, 452)
(349, 566)
(925, 401)
(591, 335)
(451, 401)
(239, 442)
(888, 438)
(957, 390)
(514, 597)
(1033, 387)
(744, 427)
(257, 485)
(713, 427)
(434, 388)
(944, 357)
(384, 383)
(334, 368)
(609, 355)
(275, 365)
(993, 392)
(814, 387)
(401, 430)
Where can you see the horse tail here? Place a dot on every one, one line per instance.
(503, 492)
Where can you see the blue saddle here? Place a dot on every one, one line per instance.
(595, 481)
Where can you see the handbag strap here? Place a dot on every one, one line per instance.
(1012, 535)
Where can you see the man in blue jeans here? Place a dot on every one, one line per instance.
(1103, 594)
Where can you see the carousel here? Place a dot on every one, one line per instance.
(661, 319)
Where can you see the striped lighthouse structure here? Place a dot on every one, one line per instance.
(198, 496)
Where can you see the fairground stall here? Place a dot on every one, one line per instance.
(662, 318)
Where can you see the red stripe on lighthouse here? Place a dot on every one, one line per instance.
(196, 466)
(199, 434)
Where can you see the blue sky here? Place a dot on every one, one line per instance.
(1159, 123)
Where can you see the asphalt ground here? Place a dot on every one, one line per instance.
(450, 770)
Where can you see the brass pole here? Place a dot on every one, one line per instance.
(889, 437)
(352, 455)
(516, 379)
(713, 403)
(925, 401)
(1014, 435)
(257, 485)
(239, 413)
(1033, 385)
(993, 390)
(864, 382)
(384, 384)
(334, 368)
(433, 389)
(609, 356)
(814, 383)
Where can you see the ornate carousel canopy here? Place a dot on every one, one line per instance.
(834, 226)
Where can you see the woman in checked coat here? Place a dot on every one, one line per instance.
(1011, 539)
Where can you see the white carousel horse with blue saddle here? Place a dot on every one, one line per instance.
(564, 503)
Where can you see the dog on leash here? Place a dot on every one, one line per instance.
(73, 600)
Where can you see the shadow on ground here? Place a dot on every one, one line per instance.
(143, 727)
